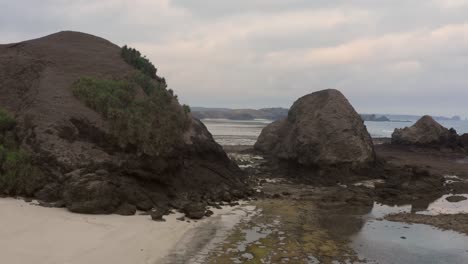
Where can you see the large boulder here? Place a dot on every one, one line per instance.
(426, 132)
(77, 148)
(322, 129)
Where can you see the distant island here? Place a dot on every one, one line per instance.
(373, 117)
(275, 113)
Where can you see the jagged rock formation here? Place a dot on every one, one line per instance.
(84, 167)
(426, 132)
(321, 129)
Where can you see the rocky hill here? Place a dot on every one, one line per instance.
(100, 132)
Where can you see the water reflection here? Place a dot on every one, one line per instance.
(393, 242)
(443, 206)
(383, 241)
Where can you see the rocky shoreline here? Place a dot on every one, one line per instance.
(293, 199)
(455, 222)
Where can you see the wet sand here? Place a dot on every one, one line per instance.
(34, 234)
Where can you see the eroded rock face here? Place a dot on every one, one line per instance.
(426, 132)
(91, 193)
(74, 146)
(321, 129)
(464, 140)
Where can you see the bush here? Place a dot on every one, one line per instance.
(146, 83)
(18, 175)
(7, 122)
(104, 95)
(134, 58)
(154, 125)
(187, 108)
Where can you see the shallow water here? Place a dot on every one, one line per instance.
(393, 242)
(289, 231)
(383, 241)
(235, 132)
(442, 206)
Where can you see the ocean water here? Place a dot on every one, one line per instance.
(234, 132)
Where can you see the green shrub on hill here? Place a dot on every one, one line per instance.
(134, 58)
(18, 175)
(146, 83)
(154, 125)
(7, 121)
(187, 108)
(104, 95)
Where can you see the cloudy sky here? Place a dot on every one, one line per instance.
(386, 56)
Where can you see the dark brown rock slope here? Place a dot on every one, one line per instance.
(321, 129)
(426, 132)
(71, 143)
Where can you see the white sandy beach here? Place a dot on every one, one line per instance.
(34, 234)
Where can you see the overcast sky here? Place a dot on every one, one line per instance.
(386, 56)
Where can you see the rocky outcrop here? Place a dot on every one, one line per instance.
(464, 140)
(426, 132)
(74, 148)
(321, 129)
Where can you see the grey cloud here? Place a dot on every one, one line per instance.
(386, 55)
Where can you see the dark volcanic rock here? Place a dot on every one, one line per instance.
(49, 193)
(157, 214)
(456, 198)
(73, 144)
(464, 140)
(126, 209)
(322, 128)
(209, 213)
(195, 210)
(426, 132)
(91, 194)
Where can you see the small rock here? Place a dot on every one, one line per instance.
(209, 213)
(157, 215)
(403, 237)
(226, 197)
(182, 218)
(126, 209)
(195, 210)
(455, 198)
(144, 205)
